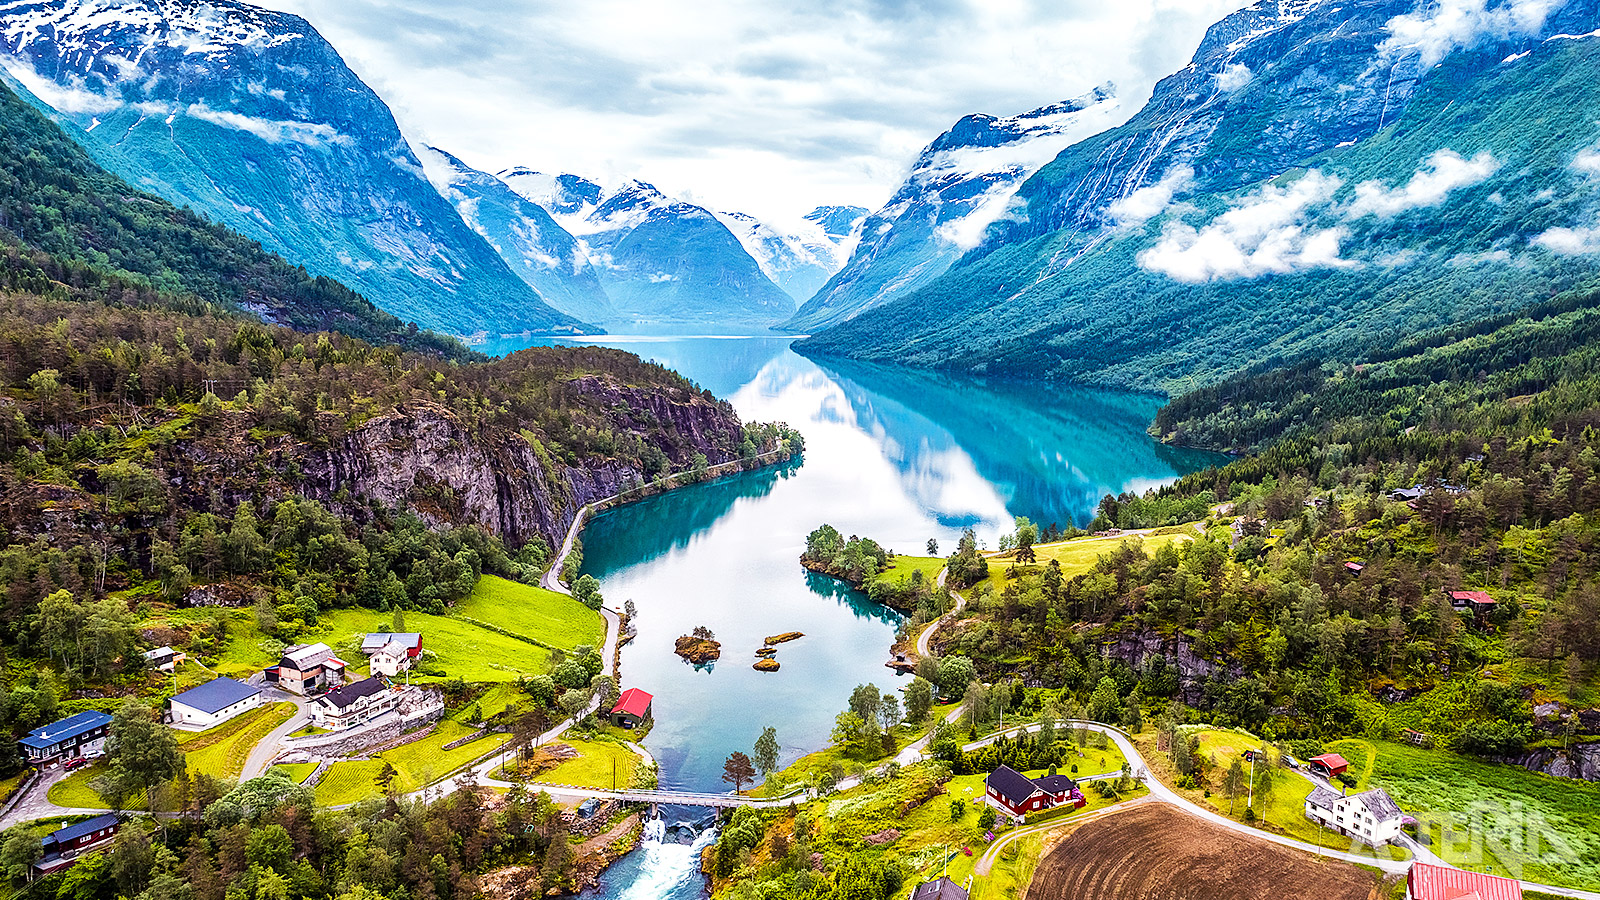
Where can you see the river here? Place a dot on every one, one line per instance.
(898, 456)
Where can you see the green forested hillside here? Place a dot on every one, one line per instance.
(67, 223)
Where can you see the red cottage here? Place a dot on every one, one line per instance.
(632, 708)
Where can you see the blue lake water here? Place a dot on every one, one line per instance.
(900, 457)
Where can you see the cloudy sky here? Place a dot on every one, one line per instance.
(766, 106)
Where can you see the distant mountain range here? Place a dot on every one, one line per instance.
(961, 184)
(251, 118)
(1322, 178)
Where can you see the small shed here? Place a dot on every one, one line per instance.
(632, 708)
(1354, 568)
(1329, 765)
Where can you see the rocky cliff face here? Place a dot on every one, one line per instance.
(421, 457)
(1582, 761)
(1135, 650)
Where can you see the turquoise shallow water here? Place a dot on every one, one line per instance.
(900, 457)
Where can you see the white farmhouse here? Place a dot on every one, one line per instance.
(353, 704)
(391, 659)
(1371, 817)
(213, 703)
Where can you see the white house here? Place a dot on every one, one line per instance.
(213, 703)
(1371, 817)
(353, 704)
(391, 659)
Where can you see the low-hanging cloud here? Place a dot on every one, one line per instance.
(1587, 162)
(1570, 241)
(1438, 29)
(1151, 200)
(272, 131)
(1267, 233)
(1234, 77)
(1440, 175)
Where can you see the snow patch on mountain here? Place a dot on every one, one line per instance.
(801, 256)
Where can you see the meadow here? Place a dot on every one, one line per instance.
(416, 764)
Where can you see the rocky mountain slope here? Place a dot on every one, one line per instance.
(537, 249)
(251, 118)
(802, 258)
(664, 263)
(961, 184)
(1323, 177)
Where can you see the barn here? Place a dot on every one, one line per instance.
(213, 703)
(1427, 882)
(632, 708)
(1328, 765)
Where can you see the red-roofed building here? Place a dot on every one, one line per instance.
(1477, 601)
(1328, 765)
(632, 708)
(1443, 883)
(1354, 568)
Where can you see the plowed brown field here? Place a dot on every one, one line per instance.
(1155, 852)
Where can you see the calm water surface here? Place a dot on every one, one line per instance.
(900, 457)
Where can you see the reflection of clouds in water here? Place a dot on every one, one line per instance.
(946, 481)
(1140, 485)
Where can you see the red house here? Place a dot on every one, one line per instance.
(632, 708)
(1354, 568)
(1427, 882)
(1478, 602)
(1016, 794)
(62, 848)
(1328, 765)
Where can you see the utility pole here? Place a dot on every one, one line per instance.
(1250, 800)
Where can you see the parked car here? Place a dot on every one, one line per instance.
(74, 763)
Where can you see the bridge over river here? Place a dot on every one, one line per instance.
(679, 798)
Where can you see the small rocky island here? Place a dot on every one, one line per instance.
(766, 664)
(699, 646)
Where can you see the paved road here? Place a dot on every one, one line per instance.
(35, 804)
(265, 751)
(926, 637)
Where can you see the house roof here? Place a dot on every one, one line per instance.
(216, 694)
(376, 640)
(392, 649)
(1380, 804)
(1331, 761)
(634, 702)
(66, 729)
(1443, 883)
(1011, 785)
(1472, 596)
(79, 829)
(1322, 798)
(1056, 784)
(942, 889)
(302, 657)
(1354, 566)
(347, 695)
(160, 653)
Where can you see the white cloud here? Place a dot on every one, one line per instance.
(1234, 77)
(1570, 241)
(1151, 200)
(1587, 162)
(1267, 233)
(763, 106)
(1440, 174)
(273, 132)
(69, 100)
(1439, 29)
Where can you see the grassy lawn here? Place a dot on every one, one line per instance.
(556, 619)
(493, 702)
(1079, 555)
(222, 751)
(464, 650)
(599, 765)
(903, 566)
(296, 772)
(74, 790)
(417, 765)
(1496, 818)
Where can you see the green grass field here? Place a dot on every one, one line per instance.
(1496, 818)
(903, 566)
(556, 619)
(464, 650)
(75, 791)
(222, 751)
(296, 772)
(1079, 555)
(417, 765)
(599, 765)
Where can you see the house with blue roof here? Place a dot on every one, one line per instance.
(213, 703)
(63, 847)
(83, 734)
